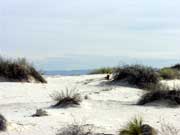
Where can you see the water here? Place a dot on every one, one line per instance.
(67, 72)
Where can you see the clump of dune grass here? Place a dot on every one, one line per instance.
(136, 127)
(169, 73)
(133, 127)
(19, 70)
(75, 129)
(66, 98)
(163, 93)
(137, 75)
(3, 123)
(104, 70)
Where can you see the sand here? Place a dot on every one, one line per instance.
(107, 109)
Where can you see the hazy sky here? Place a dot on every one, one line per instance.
(85, 30)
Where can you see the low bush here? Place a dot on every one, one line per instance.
(19, 70)
(136, 127)
(164, 93)
(138, 75)
(69, 97)
(3, 123)
(104, 70)
(177, 67)
(75, 130)
(169, 73)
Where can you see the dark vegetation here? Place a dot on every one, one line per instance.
(19, 70)
(67, 98)
(104, 70)
(177, 67)
(3, 123)
(140, 76)
(137, 75)
(136, 127)
(75, 129)
(169, 73)
(164, 93)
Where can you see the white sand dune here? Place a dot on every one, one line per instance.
(107, 108)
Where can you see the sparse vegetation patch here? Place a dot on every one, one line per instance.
(104, 70)
(136, 127)
(168, 129)
(75, 130)
(69, 97)
(169, 73)
(19, 70)
(161, 94)
(137, 75)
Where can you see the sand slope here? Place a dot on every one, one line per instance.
(107, 108)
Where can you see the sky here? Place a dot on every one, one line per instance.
(85, 34)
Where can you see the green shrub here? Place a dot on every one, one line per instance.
(69, 97)
(138, 75)
(169, 73)
(19, 70)
(132, 128)
(104, 70)
(136, 127)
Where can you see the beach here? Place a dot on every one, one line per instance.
(107, 108)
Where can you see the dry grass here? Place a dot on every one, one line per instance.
(66, 98)
(133, 127)
(19, 70)
(76, 129)
(137, 75)
(164, 93)
(136, 127)
(168, 129)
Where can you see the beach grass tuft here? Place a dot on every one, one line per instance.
(66, 98)
(137, 127)
(19, 70)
